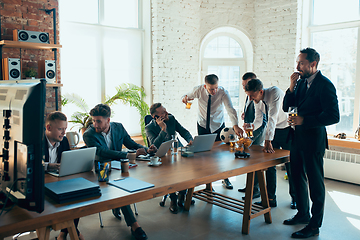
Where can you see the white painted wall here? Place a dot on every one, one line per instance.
(179, 26)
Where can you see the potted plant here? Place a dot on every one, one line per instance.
(127, 93)
(30, 73)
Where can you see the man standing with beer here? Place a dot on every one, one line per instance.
(314, 95)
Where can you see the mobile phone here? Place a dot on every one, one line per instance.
(156, 117)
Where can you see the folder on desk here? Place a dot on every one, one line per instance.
(131, 184)
(72, 190)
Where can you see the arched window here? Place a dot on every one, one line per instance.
(223, 53)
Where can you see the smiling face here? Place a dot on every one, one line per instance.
(101, 124)
(304, 67)
(255, 96)
(211, 88)
(55, 130)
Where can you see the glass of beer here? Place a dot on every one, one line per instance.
(249, 129)
(293, 112)
(188, 105)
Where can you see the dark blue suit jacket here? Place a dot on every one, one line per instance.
(319, 107)
(119, 136)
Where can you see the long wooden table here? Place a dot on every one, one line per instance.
(175, 174)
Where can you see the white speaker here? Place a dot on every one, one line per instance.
(30, 36)
(11, 69)
(47, 70)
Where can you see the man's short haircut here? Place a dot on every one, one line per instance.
(254, 85)
(311, 55)
(248, 75)
(52, 117)
(211, 79)
(102, 110)
(154, 107)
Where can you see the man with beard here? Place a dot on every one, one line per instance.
(314, 95)
(108, 138)
(161, 129)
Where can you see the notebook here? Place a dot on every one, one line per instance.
(76, 161)
(72, 189)
(202, 143)
(130, 184)
(162, 150)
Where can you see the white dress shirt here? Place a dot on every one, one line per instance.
(52, 152)
(258, 121)
(107, 137)
(218, 101)
(277, 118)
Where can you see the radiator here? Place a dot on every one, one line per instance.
(342, 166)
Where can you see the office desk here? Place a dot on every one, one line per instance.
(175, 174)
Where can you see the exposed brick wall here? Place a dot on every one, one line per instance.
(178, 28)
(26, 15)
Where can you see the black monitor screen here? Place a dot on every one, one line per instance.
(22, 106)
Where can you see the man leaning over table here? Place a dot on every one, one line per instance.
(212, 99)
(277, 131)
(54, 144)
(161, 128)
(108, 138)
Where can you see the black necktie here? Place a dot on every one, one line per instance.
(266, 111)
(208, 114)
(249, 111)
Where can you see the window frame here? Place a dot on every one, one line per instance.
(309, 29)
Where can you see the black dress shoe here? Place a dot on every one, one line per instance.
(293, 204)
(242, 189)
(306, 232)
(297, 220)
(272, 203)
(173, 207)
(139, 234)
(255, 195)
(227, 184)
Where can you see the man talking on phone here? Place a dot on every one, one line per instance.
(161, 129)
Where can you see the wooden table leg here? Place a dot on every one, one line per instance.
(209, 187)
(188, 199)
(264, 195)
(43, 233)
(70, 227)
(248, 202)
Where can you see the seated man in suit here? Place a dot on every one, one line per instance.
(161, 128)
(108, 138)
(54, 144)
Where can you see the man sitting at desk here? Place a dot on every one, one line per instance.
(54, 144)
(108, 138)
(161, 128)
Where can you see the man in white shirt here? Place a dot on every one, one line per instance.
(253, 115)
(54, 144)
(211, 99)
(277, 131)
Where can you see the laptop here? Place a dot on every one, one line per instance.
(76, 161)
(162, 150)
(202, 143)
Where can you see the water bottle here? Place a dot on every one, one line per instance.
(174, 145)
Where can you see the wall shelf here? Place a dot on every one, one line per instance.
(54, 85)
(28, 45)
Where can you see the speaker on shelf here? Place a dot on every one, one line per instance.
(11, 69)
(30, 36)
(47, 70)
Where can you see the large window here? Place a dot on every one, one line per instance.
(102, 46)
(223, 56)
(334, 30)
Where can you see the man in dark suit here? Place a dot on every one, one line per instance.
(161, 128)
(108, 138)
(314, 95)
(54, 144)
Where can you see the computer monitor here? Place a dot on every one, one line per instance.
(22, 106)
